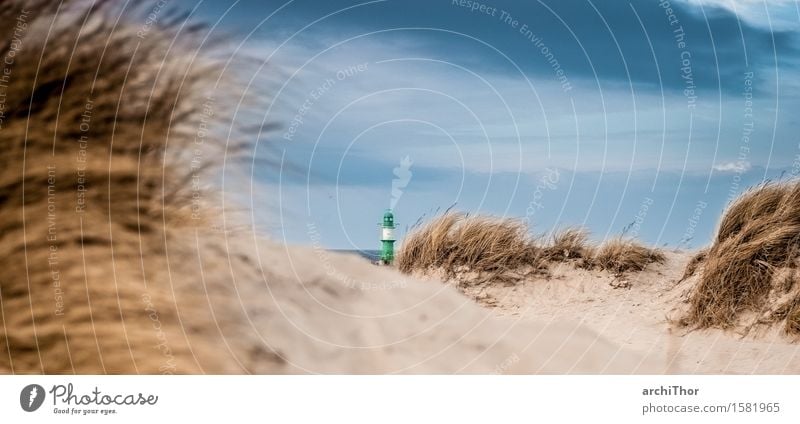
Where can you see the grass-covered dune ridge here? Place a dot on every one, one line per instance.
(751, 268)
(496, 246)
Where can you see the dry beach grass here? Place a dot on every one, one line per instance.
(496, 246)
(750, 268)
(483, 244)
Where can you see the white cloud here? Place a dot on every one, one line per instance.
(444, 116)
(738, 166)
(768, 14)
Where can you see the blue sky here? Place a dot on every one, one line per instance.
(561, 112)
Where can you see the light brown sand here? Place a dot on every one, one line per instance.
(633, 312)
(338, 313)
(241, 305)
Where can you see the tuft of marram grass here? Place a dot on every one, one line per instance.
(793, 321)
(456, 242)
(427, 247)
(758, 235)
(568, 243)
(624, 255)
(694, 264)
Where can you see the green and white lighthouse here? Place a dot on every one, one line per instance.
(387, 238)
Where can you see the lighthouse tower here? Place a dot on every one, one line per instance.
(387, 238)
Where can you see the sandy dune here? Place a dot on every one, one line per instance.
(633, 312)
(336, 313)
